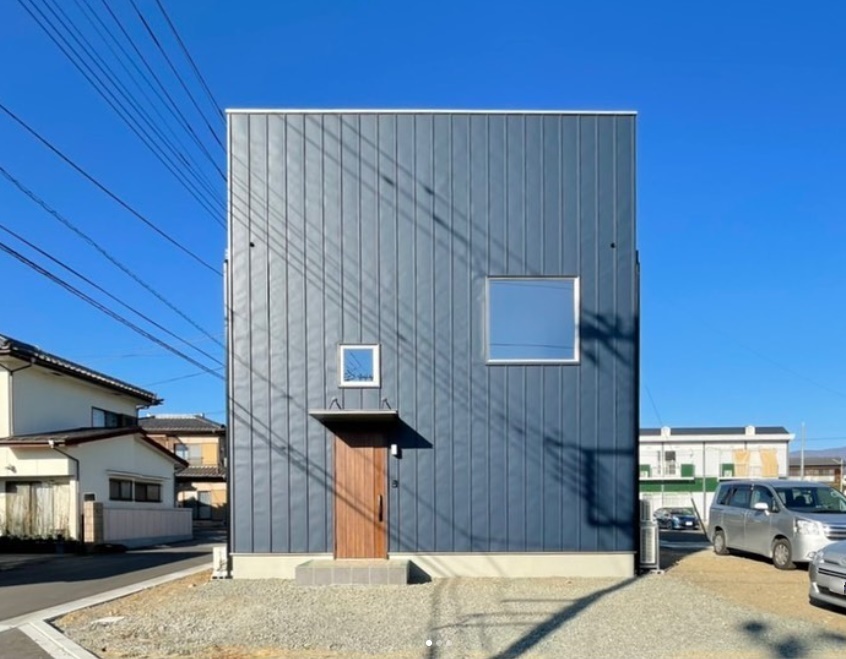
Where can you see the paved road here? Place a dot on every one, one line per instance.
(31, 587)
(14, 643)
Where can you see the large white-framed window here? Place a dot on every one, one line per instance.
(359, 365)
(532, 320)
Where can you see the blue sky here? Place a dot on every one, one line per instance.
(740, 174)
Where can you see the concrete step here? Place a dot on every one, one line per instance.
(348, 571)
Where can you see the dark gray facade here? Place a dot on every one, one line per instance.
(383, 227)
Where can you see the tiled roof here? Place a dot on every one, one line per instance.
(29, 353)
(199, 473)
(180, 423)
(76, 436)
(816, 461)
(730, 430)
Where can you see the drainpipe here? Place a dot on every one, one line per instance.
(11, 372)
(52, 444)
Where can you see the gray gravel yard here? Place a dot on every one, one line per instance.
(652, 616)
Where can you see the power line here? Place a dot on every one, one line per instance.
(106, 35)
(104, 309)
(175, 72)
(187, 376)
(185, 123)
(199, 75)
(105, 253)
(88, 281)
(139, 351)
(123, 110)
(108, 192)
(654, 406)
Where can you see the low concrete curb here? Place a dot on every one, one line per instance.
(53, 642)
(37, 625)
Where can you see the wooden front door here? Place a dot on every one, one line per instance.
(361, 506)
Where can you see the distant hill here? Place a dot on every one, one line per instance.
(836, 452)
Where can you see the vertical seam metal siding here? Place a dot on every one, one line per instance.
(496, 457)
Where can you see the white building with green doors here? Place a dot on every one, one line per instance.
(681, 467)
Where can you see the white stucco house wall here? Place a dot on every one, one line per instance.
(69, 434)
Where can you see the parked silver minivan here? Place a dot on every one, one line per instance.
(787, 521)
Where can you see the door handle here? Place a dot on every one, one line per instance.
(380, 507)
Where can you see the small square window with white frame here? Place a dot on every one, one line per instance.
(359, 365)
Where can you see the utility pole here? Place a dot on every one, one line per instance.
(802, 455)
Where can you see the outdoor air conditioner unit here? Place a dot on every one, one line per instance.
(727, 473)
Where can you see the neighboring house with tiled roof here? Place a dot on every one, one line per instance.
(73, 459)
(681, 467)
(821, 468)
(201, 442)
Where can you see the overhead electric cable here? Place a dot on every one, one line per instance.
(194, 66)
(175, 72)
(108, 192)
(185, 123)
(105, 253)
(138, 77)
(125, 110)
(104, 309)
(97, 286)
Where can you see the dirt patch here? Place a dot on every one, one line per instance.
(755, 583)
(143, 600)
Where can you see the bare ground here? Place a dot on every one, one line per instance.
(754, 582)
(749, 582)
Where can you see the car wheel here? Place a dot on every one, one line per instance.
(783, 555)
(720, 546)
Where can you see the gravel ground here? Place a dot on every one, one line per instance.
(659, 615)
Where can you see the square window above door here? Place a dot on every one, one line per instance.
(359, 365)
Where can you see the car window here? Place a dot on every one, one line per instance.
(740, 497)
(813, 499)
(724, 495)
(762, 495)
(831, 501)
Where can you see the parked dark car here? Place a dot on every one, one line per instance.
(677, 519)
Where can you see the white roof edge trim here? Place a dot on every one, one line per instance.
(422, 111)
(676, 439)
(135, 474)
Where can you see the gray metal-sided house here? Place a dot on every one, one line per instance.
(433, 340)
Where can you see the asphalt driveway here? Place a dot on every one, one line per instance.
(36, 583)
